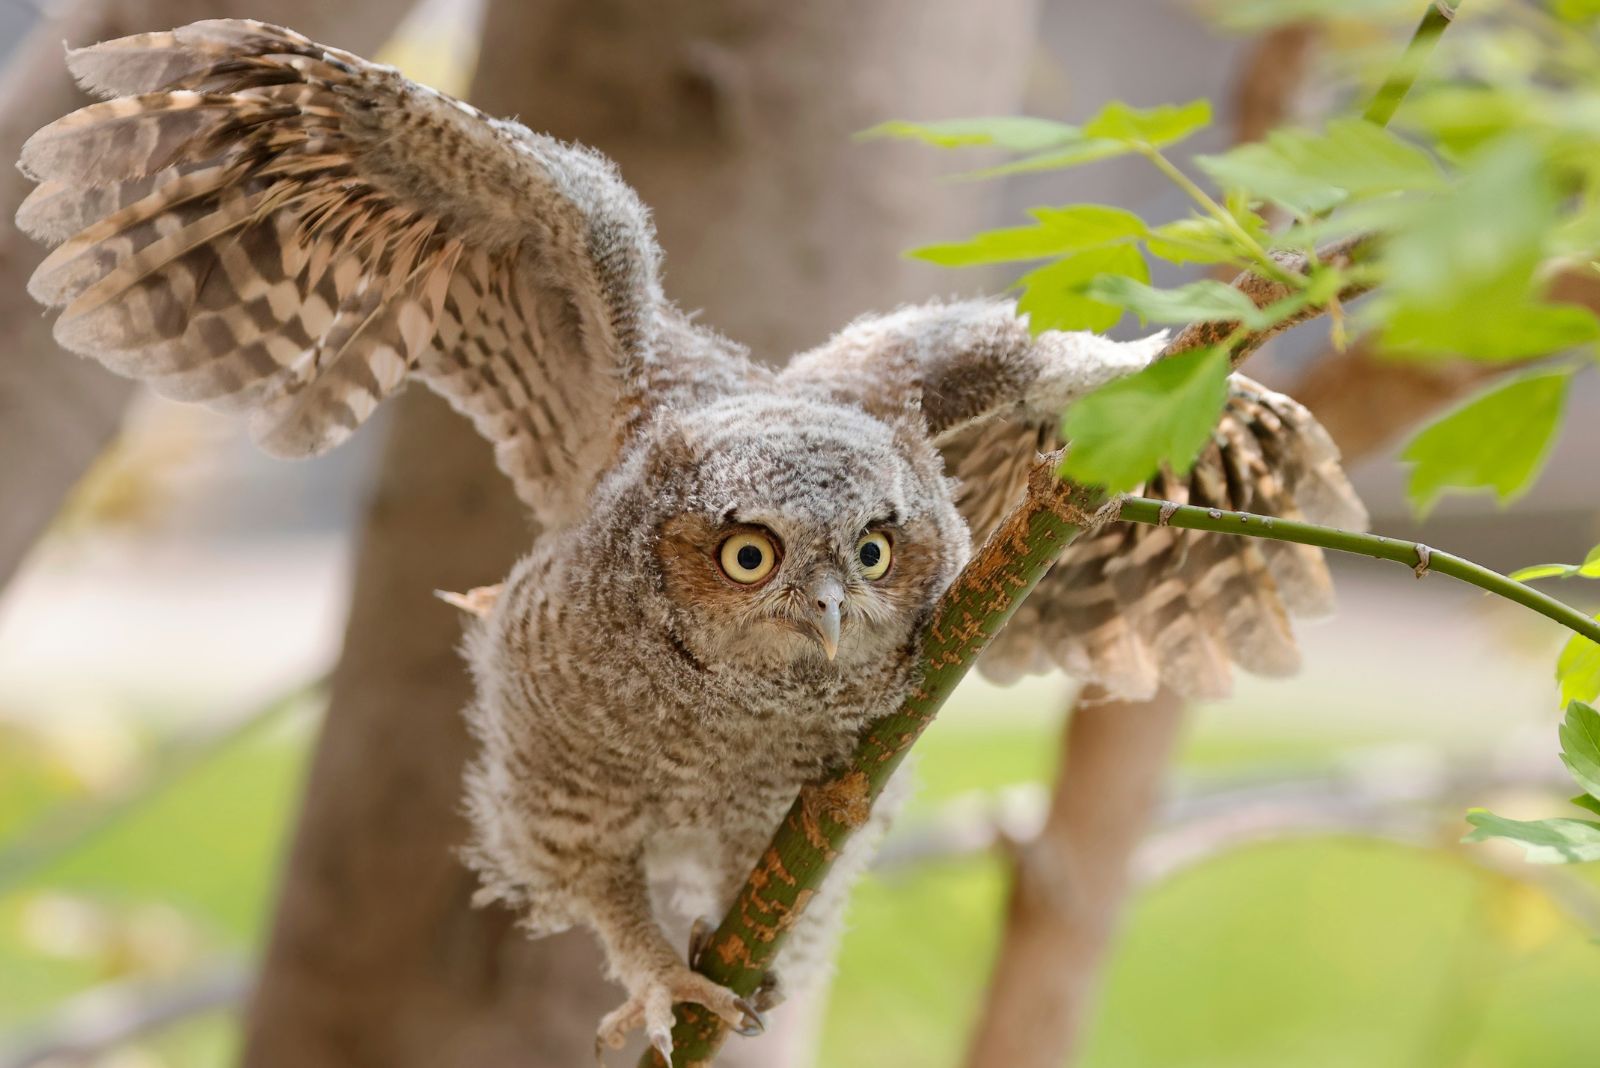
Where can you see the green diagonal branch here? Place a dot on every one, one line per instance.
(975, 607)
(1421, 558)
(980, 601)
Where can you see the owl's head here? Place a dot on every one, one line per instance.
(800, 532)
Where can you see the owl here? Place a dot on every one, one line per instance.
(734, 562)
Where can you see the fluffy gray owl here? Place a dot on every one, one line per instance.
(735, 562)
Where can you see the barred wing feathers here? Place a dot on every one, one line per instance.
(270, 225)
(1131, 607)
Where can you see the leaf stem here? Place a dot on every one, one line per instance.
(1421, 558)
(1387, 100)
(1256, 250)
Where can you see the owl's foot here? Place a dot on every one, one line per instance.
(768, 995)
(650, 1007)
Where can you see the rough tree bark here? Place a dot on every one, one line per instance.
(56, 409)
(733, 122)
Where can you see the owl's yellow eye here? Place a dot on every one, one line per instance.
(873, 553)
(748, 557)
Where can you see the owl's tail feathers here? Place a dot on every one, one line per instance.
(1132, 607)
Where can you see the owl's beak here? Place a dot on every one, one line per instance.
(826, 595)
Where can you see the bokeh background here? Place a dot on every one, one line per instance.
(1302, 901)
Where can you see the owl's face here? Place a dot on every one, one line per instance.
(804, 534)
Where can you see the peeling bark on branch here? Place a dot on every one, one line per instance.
(980, 601)
(972, 611)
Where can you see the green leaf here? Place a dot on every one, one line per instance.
(1117, 130)
(1499, 440)
(1204, 301)
(1257, 15)
(1545, 841)
(1196, 240)
(1261, 171)
(1462, 117)
(1486, 331)
(1580, 746)
(1590, 568)
(1086, 151)
(1017, 133)
(1123, 432)
(1586, 802)
(1576, 10)
(1542, 571)
(1053, 295)
(1578, 670)
(1310, 172)
(1056, 231)
(1460, 268)
(1155, 126)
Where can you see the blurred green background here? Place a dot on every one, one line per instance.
(1309, 950)
(146, 789)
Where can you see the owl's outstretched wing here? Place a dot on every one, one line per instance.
(1127, 607)
(266, 224)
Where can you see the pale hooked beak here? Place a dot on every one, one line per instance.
(827, 595)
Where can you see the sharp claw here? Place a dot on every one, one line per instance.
(699, 934)
(770, 994)
(754, 1023)
(661, 1041)
(599, 1051)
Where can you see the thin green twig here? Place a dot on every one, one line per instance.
(1208, 203)
(1386, 101)
(1415, 555)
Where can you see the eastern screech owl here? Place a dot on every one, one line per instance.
(735, 561)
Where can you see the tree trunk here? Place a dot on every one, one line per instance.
(733, 121)
(57, 410)
(1069, 883)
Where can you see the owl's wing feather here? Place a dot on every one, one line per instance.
(1130, 607)
(1127, 607)
(274, 226)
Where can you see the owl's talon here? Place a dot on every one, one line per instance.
(753, 1023)
(700, 932)
(661, 1041)
(770, 993)
(650, 1007)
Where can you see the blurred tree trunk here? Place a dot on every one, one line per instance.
(733, 121)
(57, 410)
(1068, 884)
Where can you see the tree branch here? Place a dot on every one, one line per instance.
(1421, 558)
(975, 607)
(980, 601)
(1264, 291)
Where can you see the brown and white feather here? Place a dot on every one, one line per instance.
(270, 225)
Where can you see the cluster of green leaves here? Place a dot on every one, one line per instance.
(1561, 840)
(1482, 196)
(1489, 190)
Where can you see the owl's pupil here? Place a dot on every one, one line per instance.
(749, 557)
(871, 554)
